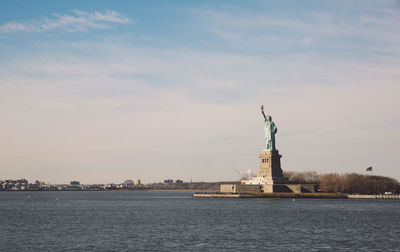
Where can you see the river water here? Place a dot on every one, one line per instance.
(175, 221)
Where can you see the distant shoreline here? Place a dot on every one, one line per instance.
(189, 190)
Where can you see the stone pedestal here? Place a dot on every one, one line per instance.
(269, 173)
(270, 165)
(269, 178)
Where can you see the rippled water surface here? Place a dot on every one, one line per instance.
(175, 221)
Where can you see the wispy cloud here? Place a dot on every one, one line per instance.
(78, 21)
(120, 99)
(319, 30)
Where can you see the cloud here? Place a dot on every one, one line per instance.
(107, 111)
(127, 103)
(79, 21)
(372, 30)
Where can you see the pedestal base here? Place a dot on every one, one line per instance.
(269, 178)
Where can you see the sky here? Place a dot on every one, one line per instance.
(104, 91)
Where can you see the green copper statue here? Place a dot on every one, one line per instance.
(270, 131)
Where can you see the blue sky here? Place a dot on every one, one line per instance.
(103, 91)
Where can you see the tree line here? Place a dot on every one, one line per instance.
(351, 183)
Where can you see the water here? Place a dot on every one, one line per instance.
(175, 221)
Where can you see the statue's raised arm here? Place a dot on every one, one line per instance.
(262, 111)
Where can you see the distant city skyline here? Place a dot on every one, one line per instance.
(104, 91)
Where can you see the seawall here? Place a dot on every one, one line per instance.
(270, 195)
(293, 195)
(379, 196)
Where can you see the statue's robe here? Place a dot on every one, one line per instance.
(270, 130)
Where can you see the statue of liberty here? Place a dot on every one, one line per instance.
(270, 131)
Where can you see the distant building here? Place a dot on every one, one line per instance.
(128, 182)
(137, 182)
(175, 181)
(75, 183)
(39, 183)
(110, 186)
(168, 181)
